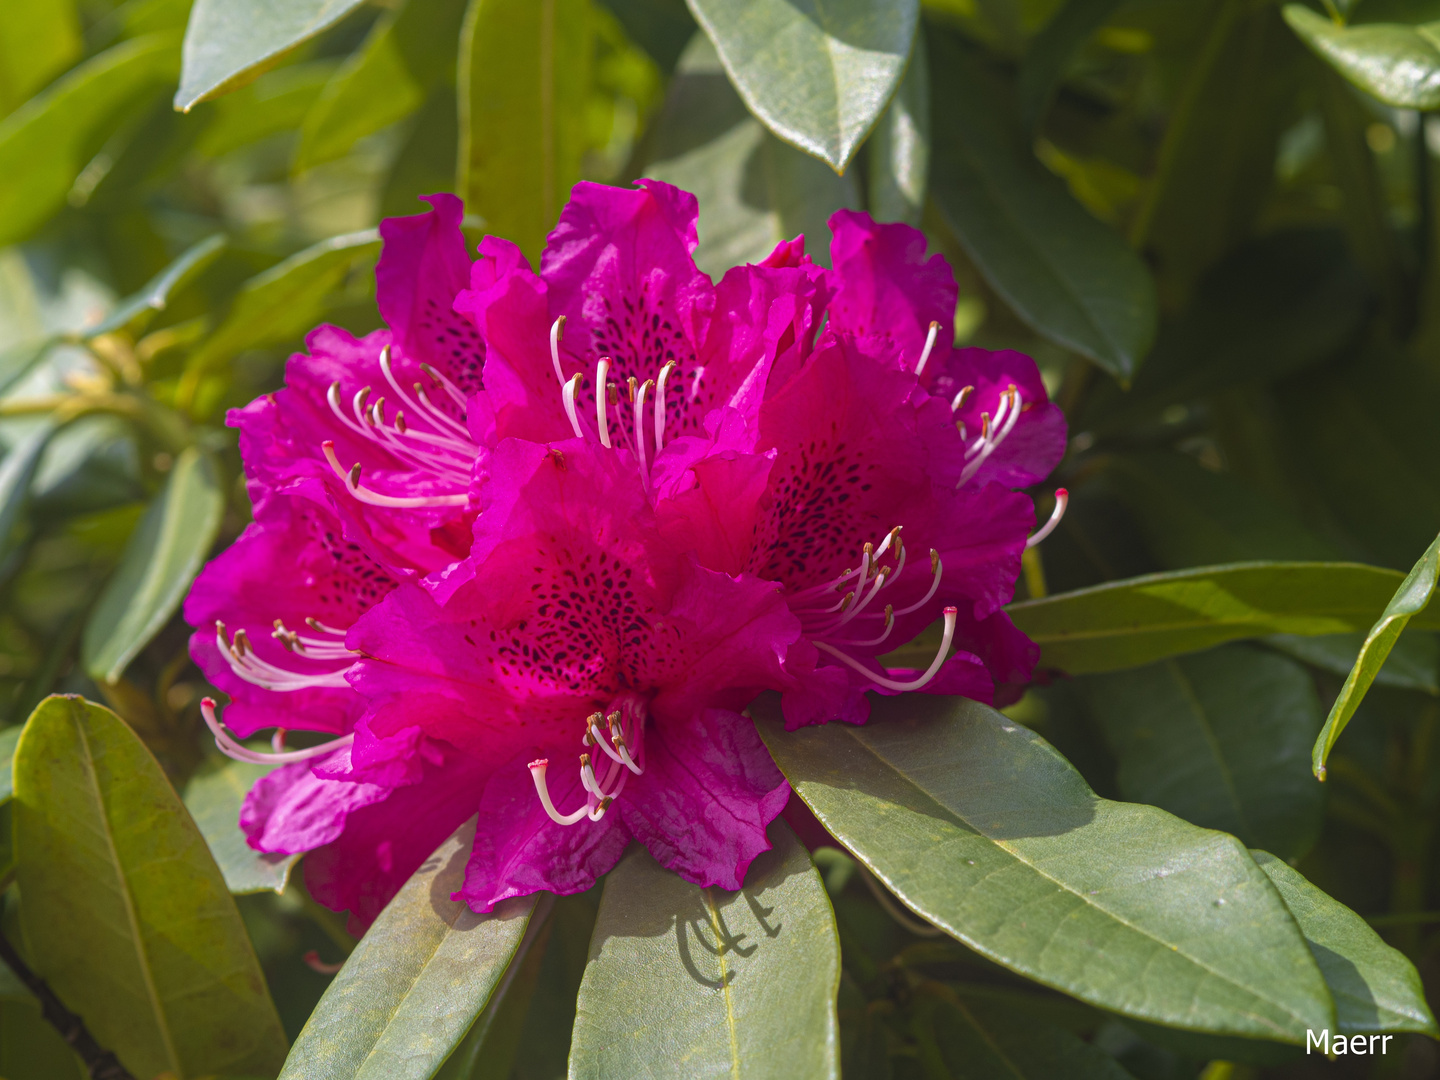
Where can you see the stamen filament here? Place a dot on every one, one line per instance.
(645, 388)
(929, 344)
(665, 371)
(537, 773)
(602, 383)
(567, 398)
(233, 749)
(374, 498)
(937, 568)
(893, 684)
(556, 329)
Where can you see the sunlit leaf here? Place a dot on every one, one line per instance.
(214, 797)
(126, 915)
(754, 190)
(900, 147)
(1410, 600)
(732, 984)
(817, 74)
(1397, 63)
(524, 77)
(1067, 275)
(135, 312)
(1374, 986)
(47, 141)
(1221, 739)
(230, 42)
(162, 558)
(1139, 620)
(385, 81)
(415, 983)
(37, 42)
(981, 827)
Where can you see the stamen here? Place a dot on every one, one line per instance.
(556, 329)
(665, 371)
(1062, 499)
(537, 773)
(893, 684)
(567, 397)
(602, 421)
(1011, 406)
(277, 741)
(373, 498)
(937, 569)
(639, 399)
(958, 401)
(929, 344)
(233, 749)
(889, 625)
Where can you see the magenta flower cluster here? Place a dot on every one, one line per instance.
(529, 552)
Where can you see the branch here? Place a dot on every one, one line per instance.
(101, 1064)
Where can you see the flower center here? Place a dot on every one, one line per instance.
(622, 744)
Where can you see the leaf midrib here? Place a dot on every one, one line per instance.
(142, 957)
(1002, 845)
(724, 985)
(1202, 720)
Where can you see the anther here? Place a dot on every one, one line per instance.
(631, 384)
(400, 422)
(355, 475)
(984, 425)
(929, 344)
(567, 398)
(556, 329)
(958, 401)
(1062, 499)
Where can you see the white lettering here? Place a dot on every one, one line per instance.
(1385, 1046)
(1322, 1041)
(1357, 1044)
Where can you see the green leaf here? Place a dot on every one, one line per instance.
(754, 190)
(524, 79)
(984, 1040)
(8, 738)
(230, 42)
(162, 558)
(1067, 275)
(1413, 663)
(285, 300)
(900, 146)
(46, 142)
(276, 102)
(1374, 986)
(17, 470)
(135, 312)
(660, 27)
(37, 42)
(30, 1049)
(1127, 623)
(1410, 599)
(1396, 63)
(816, 74)
(125, 914)
(731, 984)
(213, 797)
(1220, 739)
(1051, 51)
(984, 829)
(385, 81)
(416, 982)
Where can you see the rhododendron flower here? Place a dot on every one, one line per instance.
(530, 551)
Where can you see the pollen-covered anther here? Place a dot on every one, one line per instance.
(288, 638)
(958, 401)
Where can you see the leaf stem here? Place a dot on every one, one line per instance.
(101, 1064)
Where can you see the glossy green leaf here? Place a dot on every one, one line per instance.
(731, 984)
(900, 146)
(1221, 738)
(230, 42)
(17, 470)
(213, 797)
(1410, 600)
(1128, 623)
(416, 982)
(385, 81)
(754, 190)
(46, 142)
(1051, 51)
(816, 74)
(8, 738)
(1413, 663)
(524, 78)
(125, 914)
(162, 558)
(1067, 275)
(1397, 63)
(286, 300)
(37, 42)
(135, 312)
(1374, 986)
(985, 1040)
(980, 826)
